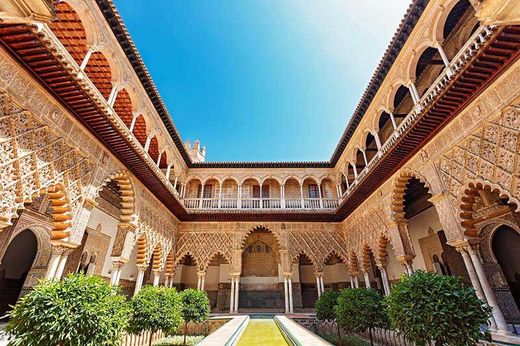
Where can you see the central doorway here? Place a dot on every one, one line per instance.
(15, 265)
(261, 285)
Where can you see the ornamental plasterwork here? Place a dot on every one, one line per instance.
(489, 154)
(203, 246)
(317, 245)
(70, 134)
(34, 158)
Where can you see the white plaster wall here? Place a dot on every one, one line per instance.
(418, 228)
(129, 271)
(224, 273)
(108, 227)
(212, 278)
(335, 273)
(306, 274)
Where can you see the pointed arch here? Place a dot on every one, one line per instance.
(276, 236)
(399, 191)
(210, 258)
(182, 256)
(311, 258)
(127, 191)
(337, 254)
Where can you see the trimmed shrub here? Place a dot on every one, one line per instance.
(78, 310)
(154, 309)
(360, 309)
(326, 304)
(194, 307)
(326, 307)
(431, 307)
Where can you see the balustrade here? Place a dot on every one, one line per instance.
(261, 203)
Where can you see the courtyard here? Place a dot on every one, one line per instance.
(117, 230)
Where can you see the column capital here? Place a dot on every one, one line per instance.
(118, 262)
(90, 204)
(142, 267)
(318, 274)
(406, 259)
(201, 274)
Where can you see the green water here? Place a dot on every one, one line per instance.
(262, 332)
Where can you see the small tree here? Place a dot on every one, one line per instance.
(359, 310)
(78, 310)
(326, 306)
(195, 307)
(428, 306)
(154, 309)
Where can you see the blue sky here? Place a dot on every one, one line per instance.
(262, 80)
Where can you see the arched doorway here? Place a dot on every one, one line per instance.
(16, 264)
(261, 284)
(217, 282)
(186, 273)
(427, 237)
(307, 280)
(505, 244)
(335, 272)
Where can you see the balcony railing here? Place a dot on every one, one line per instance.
(261, 203)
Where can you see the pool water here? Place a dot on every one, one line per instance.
(262, 332)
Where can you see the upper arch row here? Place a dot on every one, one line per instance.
(432, 53)
(75, 27)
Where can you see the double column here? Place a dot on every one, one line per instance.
(319, 283)
(234, 297)
(117, 265)
(287, 284)
(201, 280)
(384, 279)
(60, 254)
(482, 287)
(139, 279)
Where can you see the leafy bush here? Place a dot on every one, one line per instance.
(359, 310)
(429, 306)
(326, 308)
(78, 310)
(195, 307)
(326, 305)
(154, 309)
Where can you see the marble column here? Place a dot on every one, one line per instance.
(286, 293)
(356, 281)
(384, 279)
(156, 277)
(318, 285)
(166, 280)
(367, 280)
(488, 292)
(53, 263)
(321, 284)
(116, 272)
(232, 296)
(61, 265)
(291, 306)
(474, 280)
(352, 282)
(139, 279)
(237, 291)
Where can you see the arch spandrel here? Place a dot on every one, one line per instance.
(202, 246)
